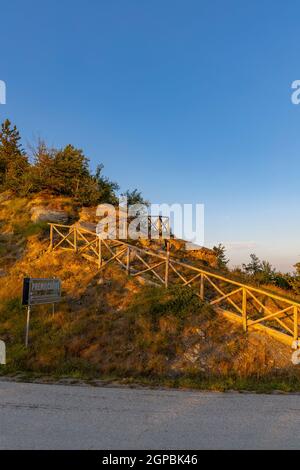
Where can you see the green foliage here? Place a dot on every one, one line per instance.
(62, 171)
(106, 188)
(262, 272)
(11, 306)
(219, 251)
(156, 302)
(135, 197)
(254, 266)
(31, 228)
(13, 161)
(297, 266)
(294, 281)
(66, 172)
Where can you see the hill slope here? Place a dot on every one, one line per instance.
(112, 326)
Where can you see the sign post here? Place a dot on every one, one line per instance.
(39, 291)
(2, 353)
(27, 326)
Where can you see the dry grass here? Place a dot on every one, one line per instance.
(111, 326)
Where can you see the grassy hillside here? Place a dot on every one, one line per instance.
(111, 327)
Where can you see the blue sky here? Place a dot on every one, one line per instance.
(190, 101)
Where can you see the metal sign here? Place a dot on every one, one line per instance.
(2, 353)
(41, 291)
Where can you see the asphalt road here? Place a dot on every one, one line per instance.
(34, 416)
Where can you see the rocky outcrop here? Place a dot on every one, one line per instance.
(42, 214)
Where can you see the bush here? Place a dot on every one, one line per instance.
(155, 302)
(62, 171)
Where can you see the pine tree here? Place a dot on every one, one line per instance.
(219, 251)
(62, 172)
(135, 197)
(42, 169)
(254, 267)
(106, 188)
(295, 280)
(13, 161)
(69, 171)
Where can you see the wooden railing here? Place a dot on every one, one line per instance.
(158, 224)
(252, 307)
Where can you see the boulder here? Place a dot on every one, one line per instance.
(42, 214)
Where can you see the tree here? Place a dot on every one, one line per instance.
(294, 280)
(266, 274)
(13, 161)
(69, 170)
(135, 197)
(263, 272)
(219, 251)
(42, 168)
(297, 266)
(254, 266)
(106, 188)
(62, 171)
(283, 280)
(66, 171)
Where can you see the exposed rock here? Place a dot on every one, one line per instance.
(87, 214)
(201, 253)
(86, 225)
(42, 214)
(193, 354)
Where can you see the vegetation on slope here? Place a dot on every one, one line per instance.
(110, 326)
(65, 173)
(61, 172)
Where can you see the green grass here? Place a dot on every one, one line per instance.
(283, 384)
(27, 228)
(137, 331)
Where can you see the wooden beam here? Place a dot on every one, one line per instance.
(151, 268)
(225, 296)
(148, 266)
(112, 258)
(223, 293)
(295, 322)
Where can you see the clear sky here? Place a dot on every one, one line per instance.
(188, 100)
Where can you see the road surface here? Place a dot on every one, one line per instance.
(38, 416)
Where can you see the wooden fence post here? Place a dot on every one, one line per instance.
(51, 237)
(167, 264)
(75, 239)
(295, 322)
(27, 326)
(168, 228)
(128, 261)
(244, 309)
(99, 252)
(159, 226)
(202, 287)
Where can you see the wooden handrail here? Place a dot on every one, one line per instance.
(248, 292)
